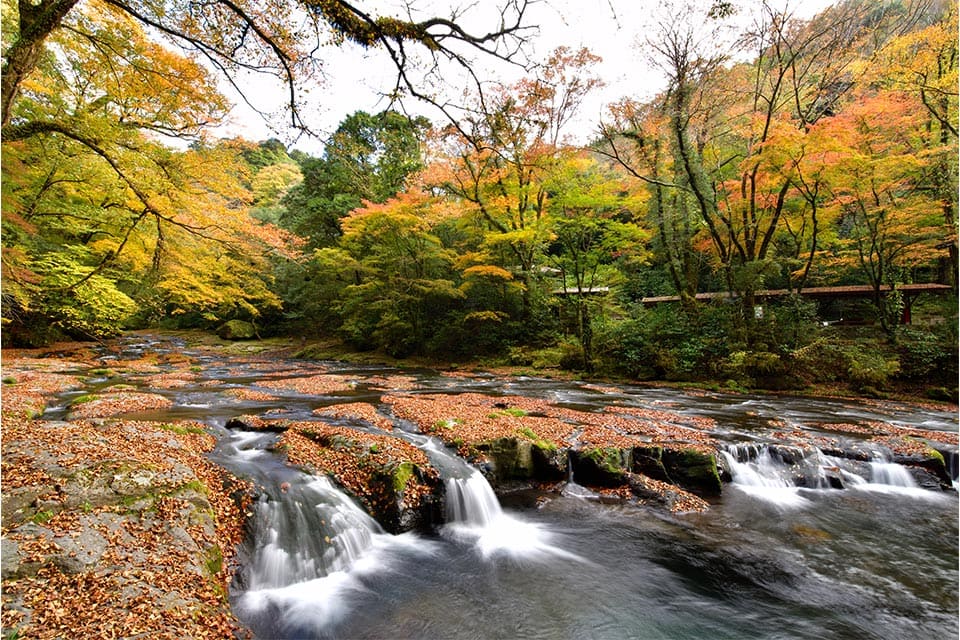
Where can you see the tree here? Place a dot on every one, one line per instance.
(498, 161)
(725, 123)
(281, 37)
(402, 281)
(635, 140)
(369, 157)
(890, 222)
(594, 226)
(88, 193)
(923, 63)
(84, 81)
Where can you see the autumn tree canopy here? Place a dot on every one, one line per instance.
(780, 153)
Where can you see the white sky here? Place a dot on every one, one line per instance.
(609, 28)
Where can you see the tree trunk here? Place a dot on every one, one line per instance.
(37, 21)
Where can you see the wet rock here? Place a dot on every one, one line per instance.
(649, 461)
(256, 423)
(649, 490)
(929, 464)
(511, 458)
(690, 469)
(550, 463)
(693, 470)
(403, 505)
(601, 466)
(391, 478)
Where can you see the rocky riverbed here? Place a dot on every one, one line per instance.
(116, 523)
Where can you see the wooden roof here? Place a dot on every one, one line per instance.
(847, 291)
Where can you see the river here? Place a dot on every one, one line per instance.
(769, 559)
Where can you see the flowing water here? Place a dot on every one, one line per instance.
(783, 554)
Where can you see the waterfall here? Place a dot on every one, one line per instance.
(309, 532)
(471, 501)
(312, 545)
(890, 473)
(759, 469)
(474, 516)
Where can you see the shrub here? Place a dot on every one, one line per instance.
(867, 369)
(926, 356)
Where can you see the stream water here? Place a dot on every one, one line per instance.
(770, 559)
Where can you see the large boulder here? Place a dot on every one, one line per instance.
(601, 466)
(237, 330)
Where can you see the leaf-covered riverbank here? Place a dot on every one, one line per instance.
(111, 527)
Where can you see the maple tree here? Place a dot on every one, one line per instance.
(890, 222)
(98, 212)
(497, 161)
(923, 63)
(284, 38)
(402, 278)
(735, 135)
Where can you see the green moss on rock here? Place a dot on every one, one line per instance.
(693, 470)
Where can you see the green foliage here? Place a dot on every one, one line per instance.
(867, 371)
(369, 158)
(77, 299)
(41, 517)
(926, 355)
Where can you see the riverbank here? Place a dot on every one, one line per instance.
(111, 528)
(546, 366)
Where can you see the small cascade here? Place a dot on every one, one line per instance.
(473, 512)
(777, 473)
(753, 466)
(890, 477)
(890, 473)
(474, 515)
(471, 501)
(574, 490)
(339, 534)
(781, 474)
(312, 545)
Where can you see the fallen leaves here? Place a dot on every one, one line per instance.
(368, 465)
(117, 403)
(147, 489)
(356, 411)
(313, 385)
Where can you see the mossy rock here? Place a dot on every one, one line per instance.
(549, 462)
(693, 470)
(394, 509)
(931, 461)
(601, 466)
(511, 457)
(237, 330)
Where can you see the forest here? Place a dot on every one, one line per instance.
(816, 153)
